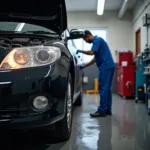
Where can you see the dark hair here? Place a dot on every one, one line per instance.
(86, 33)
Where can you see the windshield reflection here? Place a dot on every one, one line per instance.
(22, 27)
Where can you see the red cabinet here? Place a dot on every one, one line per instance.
(126, 80)
(125, 74)
(124, 56)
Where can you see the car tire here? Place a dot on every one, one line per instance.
(79, 100)
(63, 128)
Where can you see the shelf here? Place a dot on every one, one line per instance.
(146, 59)
(147, 73)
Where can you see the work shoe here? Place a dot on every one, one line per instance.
(108, 112)
(98, 114)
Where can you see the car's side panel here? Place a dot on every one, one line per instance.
(78, 72)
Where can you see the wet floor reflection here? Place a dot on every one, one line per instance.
(127, 129)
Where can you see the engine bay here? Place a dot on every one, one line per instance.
(19, 42)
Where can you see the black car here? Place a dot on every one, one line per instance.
(40, 78)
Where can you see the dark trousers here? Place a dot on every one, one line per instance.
(105, 81)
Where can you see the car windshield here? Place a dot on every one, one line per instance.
(22, 27)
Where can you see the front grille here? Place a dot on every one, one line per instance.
(14, 110)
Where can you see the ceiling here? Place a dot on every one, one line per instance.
(91, 5)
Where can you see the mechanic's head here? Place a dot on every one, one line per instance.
(88, 37)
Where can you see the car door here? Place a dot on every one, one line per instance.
(77, 62)
(79, 72)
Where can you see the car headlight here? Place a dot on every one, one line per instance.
(21, 57)
(26, 57)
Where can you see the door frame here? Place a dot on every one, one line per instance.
(138, 30)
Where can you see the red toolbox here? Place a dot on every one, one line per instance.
(126, 80)
(124, 56)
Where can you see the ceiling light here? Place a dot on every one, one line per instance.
(100, 7)
(123, 9)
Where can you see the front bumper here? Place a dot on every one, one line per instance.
(19, 87)
(30, 122)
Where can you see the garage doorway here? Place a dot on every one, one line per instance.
(138, 41)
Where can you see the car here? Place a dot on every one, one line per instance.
(40, 77)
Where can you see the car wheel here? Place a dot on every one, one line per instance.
(79, 100)
(63, 128)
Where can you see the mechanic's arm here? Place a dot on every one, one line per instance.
(90, 52)
(90, 63)
(95, 48)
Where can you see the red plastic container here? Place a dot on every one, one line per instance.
(124, 56)
(126, 81)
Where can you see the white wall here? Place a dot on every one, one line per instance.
(119, 33)
(139, 12)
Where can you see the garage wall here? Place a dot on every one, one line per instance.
(119, 35)
(119, 32)
(138, 13)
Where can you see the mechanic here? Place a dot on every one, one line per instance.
(106, 67)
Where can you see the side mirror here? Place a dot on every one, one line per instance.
(76, 34)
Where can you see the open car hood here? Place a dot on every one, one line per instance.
(47, 13)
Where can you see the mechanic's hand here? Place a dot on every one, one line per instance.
(78, 51)
(82, 67)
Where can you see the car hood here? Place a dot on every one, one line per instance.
(46, 13)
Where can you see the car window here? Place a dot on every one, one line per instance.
(73, 43)
(30, 27)
(22, 27)
(70, 42)
(8, 26)
(72, 47)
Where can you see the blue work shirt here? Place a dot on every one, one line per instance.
(103, 55)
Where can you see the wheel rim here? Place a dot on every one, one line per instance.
(69, 107)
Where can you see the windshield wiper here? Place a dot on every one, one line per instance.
(39, 32)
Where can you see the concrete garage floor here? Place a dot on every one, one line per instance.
(127, 129)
